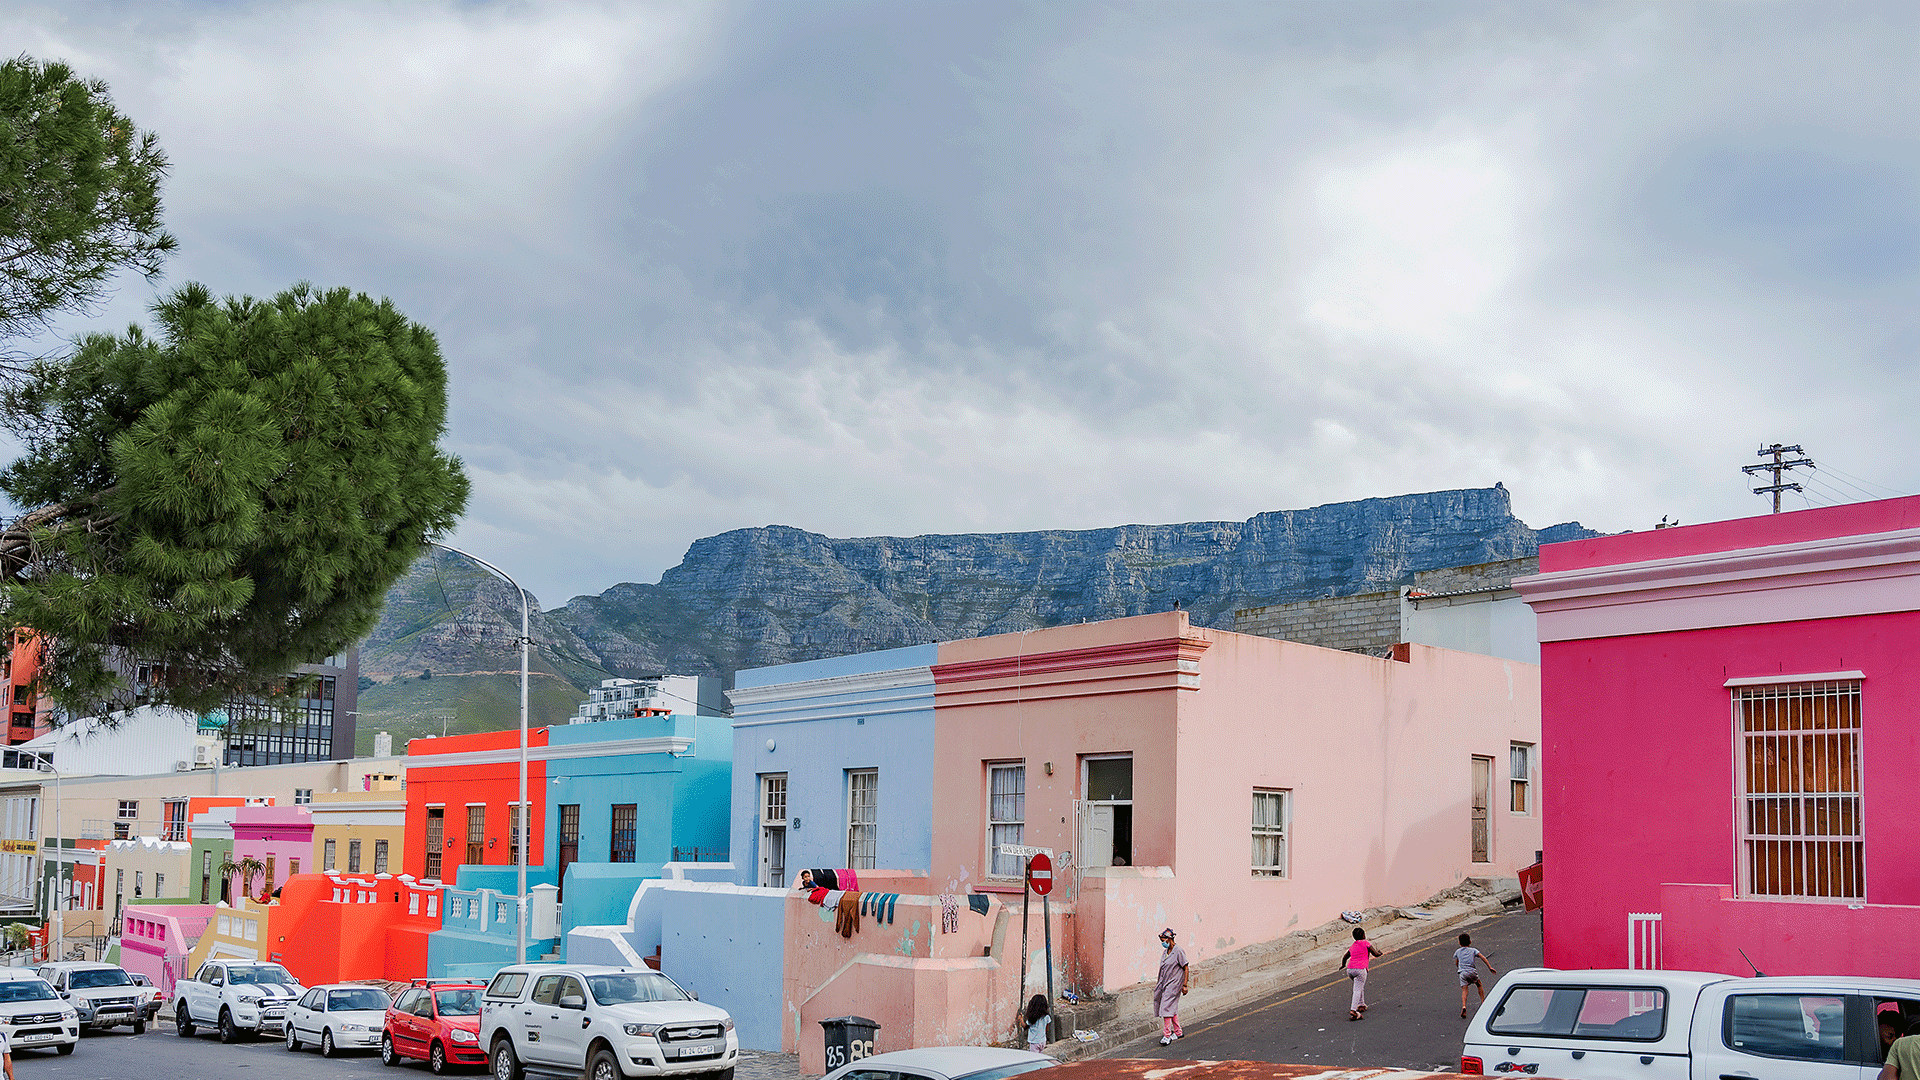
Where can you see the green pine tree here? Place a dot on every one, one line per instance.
(79, 195)
(228, 497)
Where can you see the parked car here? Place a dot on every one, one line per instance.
(238, 997)
(946, 1063)
(338, 1016)
(149, 995)
(558, 1019)
(104, 995)
(1683, 1025)
(32, 1015)
(436, 1022)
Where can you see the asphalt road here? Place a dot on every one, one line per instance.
(1413, 1015)
(161, 1055)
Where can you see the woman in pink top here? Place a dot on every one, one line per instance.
(1359, 955)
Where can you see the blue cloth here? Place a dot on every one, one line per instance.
(977, 902)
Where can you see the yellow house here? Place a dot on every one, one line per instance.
(360, 832)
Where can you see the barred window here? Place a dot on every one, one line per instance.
(1800, 822)
(1006, 818)
(863, 802)
(1269, 833)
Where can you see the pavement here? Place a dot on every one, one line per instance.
(1413, 1020)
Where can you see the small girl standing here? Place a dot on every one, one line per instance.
(1037, 1016)
(1359, 955)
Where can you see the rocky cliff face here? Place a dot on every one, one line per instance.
(771, 595)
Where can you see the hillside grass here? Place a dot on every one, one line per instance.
(411, 708)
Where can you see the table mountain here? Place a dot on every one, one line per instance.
(752, 597)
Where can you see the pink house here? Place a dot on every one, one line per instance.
(281, 837)
(155, 941)
(1730, 749)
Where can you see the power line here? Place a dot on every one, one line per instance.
(1778, 467)
(1892, 491)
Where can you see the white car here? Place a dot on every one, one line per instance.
(32, 1015)
(238, 997)
(610, 1022)
(944, 1063)
(338, 1016)
(105, 996)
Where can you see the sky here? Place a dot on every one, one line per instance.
(926, 267)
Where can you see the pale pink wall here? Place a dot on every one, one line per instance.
(1376, 753)
(1704, 928)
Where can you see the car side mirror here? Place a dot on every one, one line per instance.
(573, 1001)
(696, 995)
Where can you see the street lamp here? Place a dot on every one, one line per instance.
(60, 856)
(526, 812)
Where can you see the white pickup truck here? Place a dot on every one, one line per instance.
(237, 998)
(1686, 1025)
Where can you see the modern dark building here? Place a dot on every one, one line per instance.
(323, 730)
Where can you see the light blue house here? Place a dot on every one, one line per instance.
(623, 799)
(825, 753)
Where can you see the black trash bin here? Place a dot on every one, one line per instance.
(849, 1038)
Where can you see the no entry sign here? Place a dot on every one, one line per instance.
(1040, 874)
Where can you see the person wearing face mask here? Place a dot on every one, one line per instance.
(1172, 984)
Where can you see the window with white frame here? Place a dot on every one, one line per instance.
(1006, 817)
(1270, 832)
(302, 796)
(129, 809)
(1520, 778)
(863, 804)
(1799, 752)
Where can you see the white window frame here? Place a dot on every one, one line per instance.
(1803, 810)
(1006, 819)
(129, 810)
(1520, 781)
(867, 830)
(774, 789)
(1264, 828)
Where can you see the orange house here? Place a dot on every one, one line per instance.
(334, 927)
(461, 791)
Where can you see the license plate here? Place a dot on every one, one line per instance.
(39, 1037)
(697, 1050)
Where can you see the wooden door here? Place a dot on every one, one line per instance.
(1482, 804)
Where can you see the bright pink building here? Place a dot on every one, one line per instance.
(1729, 744)
(281, 837)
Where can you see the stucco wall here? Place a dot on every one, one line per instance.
(726, 942)
(867, 711)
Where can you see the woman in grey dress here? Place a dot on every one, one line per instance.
(1172, 984)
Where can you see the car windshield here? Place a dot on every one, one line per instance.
(81, 980)
(25, 990)
(259, 975)
(1007, 1070)
(364, 998)
(641, 986)
(457, 1002)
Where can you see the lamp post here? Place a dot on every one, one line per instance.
(525, 811)
(60, 857)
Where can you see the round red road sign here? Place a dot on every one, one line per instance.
(1040, 874)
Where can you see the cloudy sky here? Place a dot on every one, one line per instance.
(926, 267)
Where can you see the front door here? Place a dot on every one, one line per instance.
(773, 830)
(1482, 803)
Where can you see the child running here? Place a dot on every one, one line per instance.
(1464, 959)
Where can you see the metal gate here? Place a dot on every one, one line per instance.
(1643, 941)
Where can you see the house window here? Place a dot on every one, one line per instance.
(1006, 818)
(293, 870)
(476, 835)
(206, 877)
(353, 856)
(129, 809)
(1520, 782)
(436, 839)
(863, 801)
(174, 819)
(327, 855)
(302, 796)
(379, 856)
(159, 885)
(624, 819)
(267, 890)
(139, 884)
(1800, 825)
(1269, 833)
(514, 814)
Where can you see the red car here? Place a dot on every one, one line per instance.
(436, 1021)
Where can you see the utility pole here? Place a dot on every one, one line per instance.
(1778, 466)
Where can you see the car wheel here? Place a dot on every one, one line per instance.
(183, 1022)
(293, 1038)
(326, 1043)
(506, 1064)
(724, 1074)
(140, 1025)
(228, 1032)
(67, 1048)
(604, 1066)
(437, 1059)
(388, 1055)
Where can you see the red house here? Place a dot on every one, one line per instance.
(461, 791)
(1730, 744)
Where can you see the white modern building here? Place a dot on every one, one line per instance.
(656, 695)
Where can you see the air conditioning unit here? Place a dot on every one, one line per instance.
(202, 755)
(183, 766)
